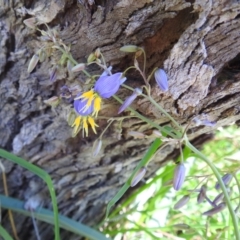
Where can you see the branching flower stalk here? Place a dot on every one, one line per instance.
(105, 87)
(222, 185)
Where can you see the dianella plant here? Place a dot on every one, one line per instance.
(86, 101)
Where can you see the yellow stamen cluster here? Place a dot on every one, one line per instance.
(91, 96)
(82, 122)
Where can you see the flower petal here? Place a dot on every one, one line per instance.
(85, 126)
(106, 72)
(76, 126)
(107, 86)
(97, 105)
(92, 124)
(81, 107)
(161, 79)
(179, 176)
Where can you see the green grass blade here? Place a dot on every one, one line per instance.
(151, 151)
(5, 234)
(47, 216)
(42, 174)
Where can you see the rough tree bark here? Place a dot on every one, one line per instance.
(197, 44)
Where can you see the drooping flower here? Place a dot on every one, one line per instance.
(105, 87)
(130, 99)
(84, 119)
(161, 79)
(179, 176)
(182, 202)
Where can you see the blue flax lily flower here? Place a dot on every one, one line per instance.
(105, 87)
(161, 79)
(84, 119)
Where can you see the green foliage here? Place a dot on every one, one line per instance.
(148, 213)
(48, 217)
(43, 214)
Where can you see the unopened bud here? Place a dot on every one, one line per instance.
(161, 79)
(53, 101)
(42, 56)
(218, 198)
(79, 67)
(138, 176)
(129, 100)
(129, 48)
(226, 180)
(183, 201)
(30, 22)
(91, 58)
(71, 118)
(157, 133)
(202, 194)
(215, 210)
(136, 134)
(179, 176)
(97, 147)
(33, 63)
(97, 53)
(53, 74)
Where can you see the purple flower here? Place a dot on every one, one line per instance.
(204, 121)
(161, 79)
(179, 176)
(129, 100)
(183, 201)
(80, 107)
(226, 180)
(107, 86)
(83, 120)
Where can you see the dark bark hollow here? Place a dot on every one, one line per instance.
(195, 42)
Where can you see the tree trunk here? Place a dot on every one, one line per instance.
(195, 42)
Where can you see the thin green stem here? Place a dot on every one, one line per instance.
(110, 122)
(220, 181)
(163, 111)
(128, 69)
(157, 106)
(147, 120)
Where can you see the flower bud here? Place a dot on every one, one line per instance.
(226, 180)
(97, 53)
(157, 133)
(183, 201)
(161, 79)
(91, 58)
(79, 67)
(138, 176)
(218, 198)
(128, 101)
(33, 63)
(202, 194)
(97, 147)
(179, 176)
(71, 118)
(215, 210)
(129, 48)
(53, 74)
(42, 56)
(30, 22)
(53, 101)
